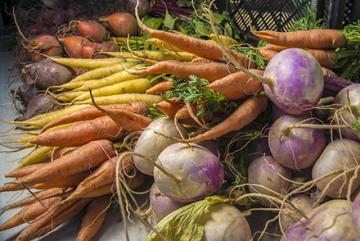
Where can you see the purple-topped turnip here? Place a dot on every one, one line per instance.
(348, 100)
(355, 214)
(334, 168)
(330, 221)
(189, 172)
(293, 80)
(160, 204)
(297, 81)
(294, 147)
(267, 172)
(160, 134)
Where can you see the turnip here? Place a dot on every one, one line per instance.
(330, 221)
(155, 138)
(342, 157)
(267, 172)
(355, 214)
(160, 204)
(288, 217)
(295, 148)
(348, 100)
(211, 219)
(189, 172)
(293, 80)
(225, 222)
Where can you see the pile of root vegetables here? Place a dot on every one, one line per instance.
(219, 139)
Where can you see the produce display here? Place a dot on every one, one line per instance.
(164, 99)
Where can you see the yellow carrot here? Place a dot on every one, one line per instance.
(102, 72)
(154, 55)
(124, 99)
(87, 63)
(130, 86)
(38, 155)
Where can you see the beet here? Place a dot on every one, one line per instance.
(40, 104)
(46, 73)
(45, 44)
(121, 24)
(25, 93)
(143, 8)
(92, 30)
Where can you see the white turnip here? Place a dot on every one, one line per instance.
(155, 138)
(338, 158)
(267, 172)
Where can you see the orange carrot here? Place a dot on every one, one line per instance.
(169, 108)
(248, 111)
(92, 113)
(93, 219)
(209, 71)
(199, 60)
(42, 195)
(182, 114)
(326, 58)
(64, 182)
(126, 119)
(26, 170)
(81, 132)
(101, 191)
(83, 158)
(132, 183)
(29, 213)
(237, 85)
(55, 216)
(273, 47)
(201, 48)
(159, 87)
(267, 54)
(312, 39)
(59, 152)
(104, 175)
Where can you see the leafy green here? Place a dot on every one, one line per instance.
(308, 22)
(186, 223)
(196, 91)
(356, 126)
(169, 21)
(352, 33)
(253, 54)
(152, 22)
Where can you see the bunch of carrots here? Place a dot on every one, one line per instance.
(76, 149)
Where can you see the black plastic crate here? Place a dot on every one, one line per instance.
(279, 15)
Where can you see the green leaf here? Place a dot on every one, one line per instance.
(228, 29)
(203, 29)
(218, 18)
(356, 126)
(151, 22)
(169, 21)
(186, 223)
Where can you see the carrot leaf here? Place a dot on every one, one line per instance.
(196, 91)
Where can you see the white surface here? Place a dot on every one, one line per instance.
(112, 229)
